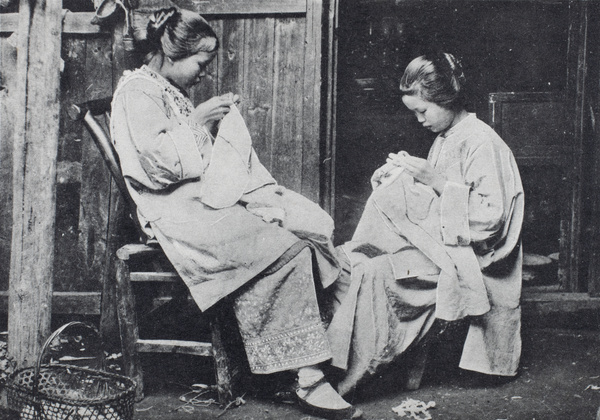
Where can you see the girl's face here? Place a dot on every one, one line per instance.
(188, 71)
(431, 116)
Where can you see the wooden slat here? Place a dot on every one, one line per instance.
(231, 57)
(134, 250)
(73, 23)
(65, 303)
(231, 7)
(505, 97)
(72, 90)
(7, 78)
(287, 102)
(196, 348)
(577, 57)
(543, 303)
(109, 328)
(95, 178)
(311, 147)
(258, 85)
(555, 154)
(154, 277)
(328, 158)
(593, 222)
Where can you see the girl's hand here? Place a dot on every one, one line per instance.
(214, 109)
(420, 169)
(382, 174)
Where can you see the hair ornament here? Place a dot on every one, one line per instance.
(160, 18)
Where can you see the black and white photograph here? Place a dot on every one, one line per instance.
(299, 209)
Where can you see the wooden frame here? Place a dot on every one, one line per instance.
(559, 154)
(231, 7)
(80, 22)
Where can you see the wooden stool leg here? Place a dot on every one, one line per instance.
(416, 365)
(128, 327)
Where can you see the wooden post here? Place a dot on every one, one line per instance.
(36, 108)
(577, 61)
(593, 193)
(329, 112)
(118, 211)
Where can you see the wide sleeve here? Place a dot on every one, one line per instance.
(165, 147)
(476, 209)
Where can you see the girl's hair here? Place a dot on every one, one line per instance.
(437, 78)
(178, 34)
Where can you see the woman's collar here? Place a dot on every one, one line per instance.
(165, 80)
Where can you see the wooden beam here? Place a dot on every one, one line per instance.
(35, 144)
(544, 303)
(155, 277)
(230, 7)
(526, 97)
(196, 348)
(65, 303)
(73, 23)
(540, 302)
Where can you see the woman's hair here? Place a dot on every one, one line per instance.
(178, 34)
(437, 78)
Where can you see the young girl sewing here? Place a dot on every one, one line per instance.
(439, 238)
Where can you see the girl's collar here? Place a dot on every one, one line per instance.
(458, 125)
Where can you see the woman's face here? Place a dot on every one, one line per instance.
(431, 116)
(188, 71)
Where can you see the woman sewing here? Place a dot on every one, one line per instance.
(222, 220)
(438, 238)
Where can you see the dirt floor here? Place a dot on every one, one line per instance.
(559, 379)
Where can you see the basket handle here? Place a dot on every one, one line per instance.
(36, 376)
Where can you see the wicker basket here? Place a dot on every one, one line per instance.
(63, 392)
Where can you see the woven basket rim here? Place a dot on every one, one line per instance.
(130, 385)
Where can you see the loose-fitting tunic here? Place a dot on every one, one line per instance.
(416, 256)
(222, 220)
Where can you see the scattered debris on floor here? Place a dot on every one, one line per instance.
(235, 403)
(414, 409)
(200, 396)
(592, 387)
(193, 398)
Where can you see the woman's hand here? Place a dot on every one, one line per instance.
(420, 169)
(214, 109)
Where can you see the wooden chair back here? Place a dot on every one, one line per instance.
(88, 113)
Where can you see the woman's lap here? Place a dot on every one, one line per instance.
(389, 315)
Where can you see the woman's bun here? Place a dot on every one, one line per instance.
(157, 24)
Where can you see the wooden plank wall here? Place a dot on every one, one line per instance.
(8, 58)
(272, 61)
(82, 181)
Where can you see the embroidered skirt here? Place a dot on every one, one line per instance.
(279, 319)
